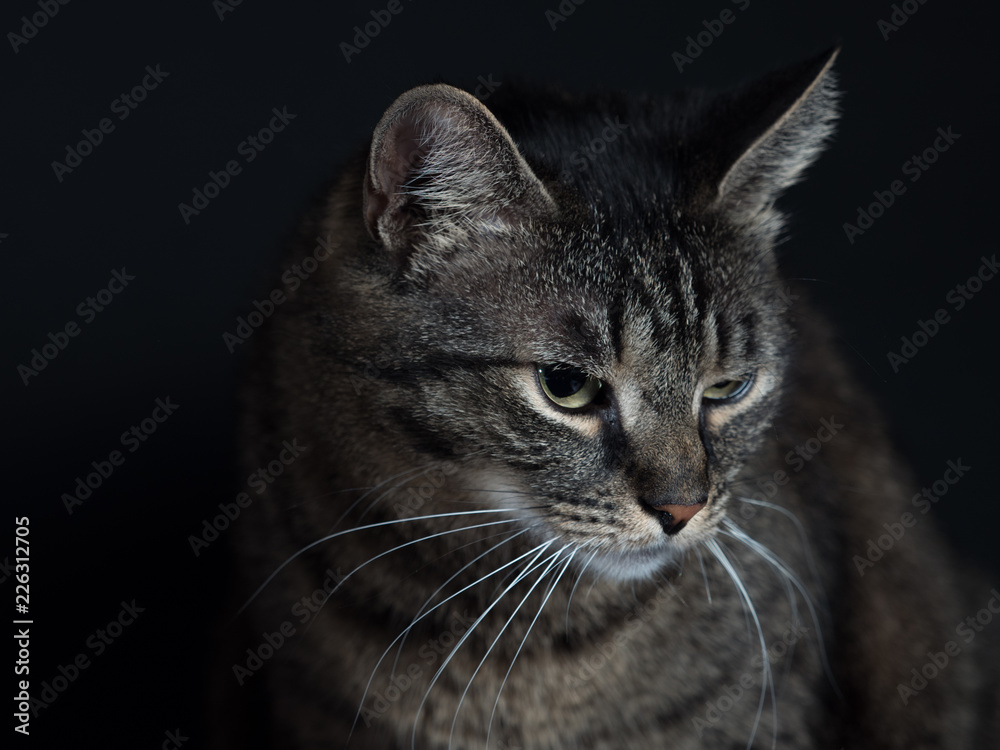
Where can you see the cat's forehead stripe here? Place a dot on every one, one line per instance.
(687, 296)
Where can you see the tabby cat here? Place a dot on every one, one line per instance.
(576, 466)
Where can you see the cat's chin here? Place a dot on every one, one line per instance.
(636, 564)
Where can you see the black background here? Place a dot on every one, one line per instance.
(162, 336)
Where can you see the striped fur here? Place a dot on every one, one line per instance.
(505, 578)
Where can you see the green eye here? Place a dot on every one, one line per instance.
(567, 386)
(727, 390)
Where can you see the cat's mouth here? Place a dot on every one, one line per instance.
(639, 541)
(636, 559)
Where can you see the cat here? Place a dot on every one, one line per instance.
(577, 467)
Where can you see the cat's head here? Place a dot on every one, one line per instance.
(584, 302)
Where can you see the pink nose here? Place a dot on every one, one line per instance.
(681, 513)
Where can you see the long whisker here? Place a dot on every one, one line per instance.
(527, 570)
(806, 544)
(407, 473)
(554, 559)
(503, 582)
(395, 487)
(539, 549)
(401, 546)
(735, 532)
(785, 580)
(368, 490)
(405, 633)
(420, 472)
(381, 524)
(715, 547)
(545, 600)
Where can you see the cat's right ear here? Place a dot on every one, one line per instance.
(758, 140)
(441, 170)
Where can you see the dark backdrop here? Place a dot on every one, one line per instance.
(64, 233)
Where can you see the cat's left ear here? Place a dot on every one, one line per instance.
(763, 136)
(441, 170)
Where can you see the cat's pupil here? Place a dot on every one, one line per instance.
(727, 390)
(568, 387)
(563, 382)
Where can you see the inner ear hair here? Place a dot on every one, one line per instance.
(440, 166)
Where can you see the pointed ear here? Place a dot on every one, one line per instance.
(442, 168)
(766, 134)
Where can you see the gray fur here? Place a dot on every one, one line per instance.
(470, 252)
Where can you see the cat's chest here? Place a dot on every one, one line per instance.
(660, 662)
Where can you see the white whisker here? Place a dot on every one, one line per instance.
(527, 570)
(510, 537)
(554, 559)
(418, 470)
(395, 549)
(545, 600)
(381, 524)
(735, 532)
(806, 544)
(539, 549)
(417, 541)
(715, 547)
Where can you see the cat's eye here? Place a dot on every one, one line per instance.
(727, 390)
(568, 387)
